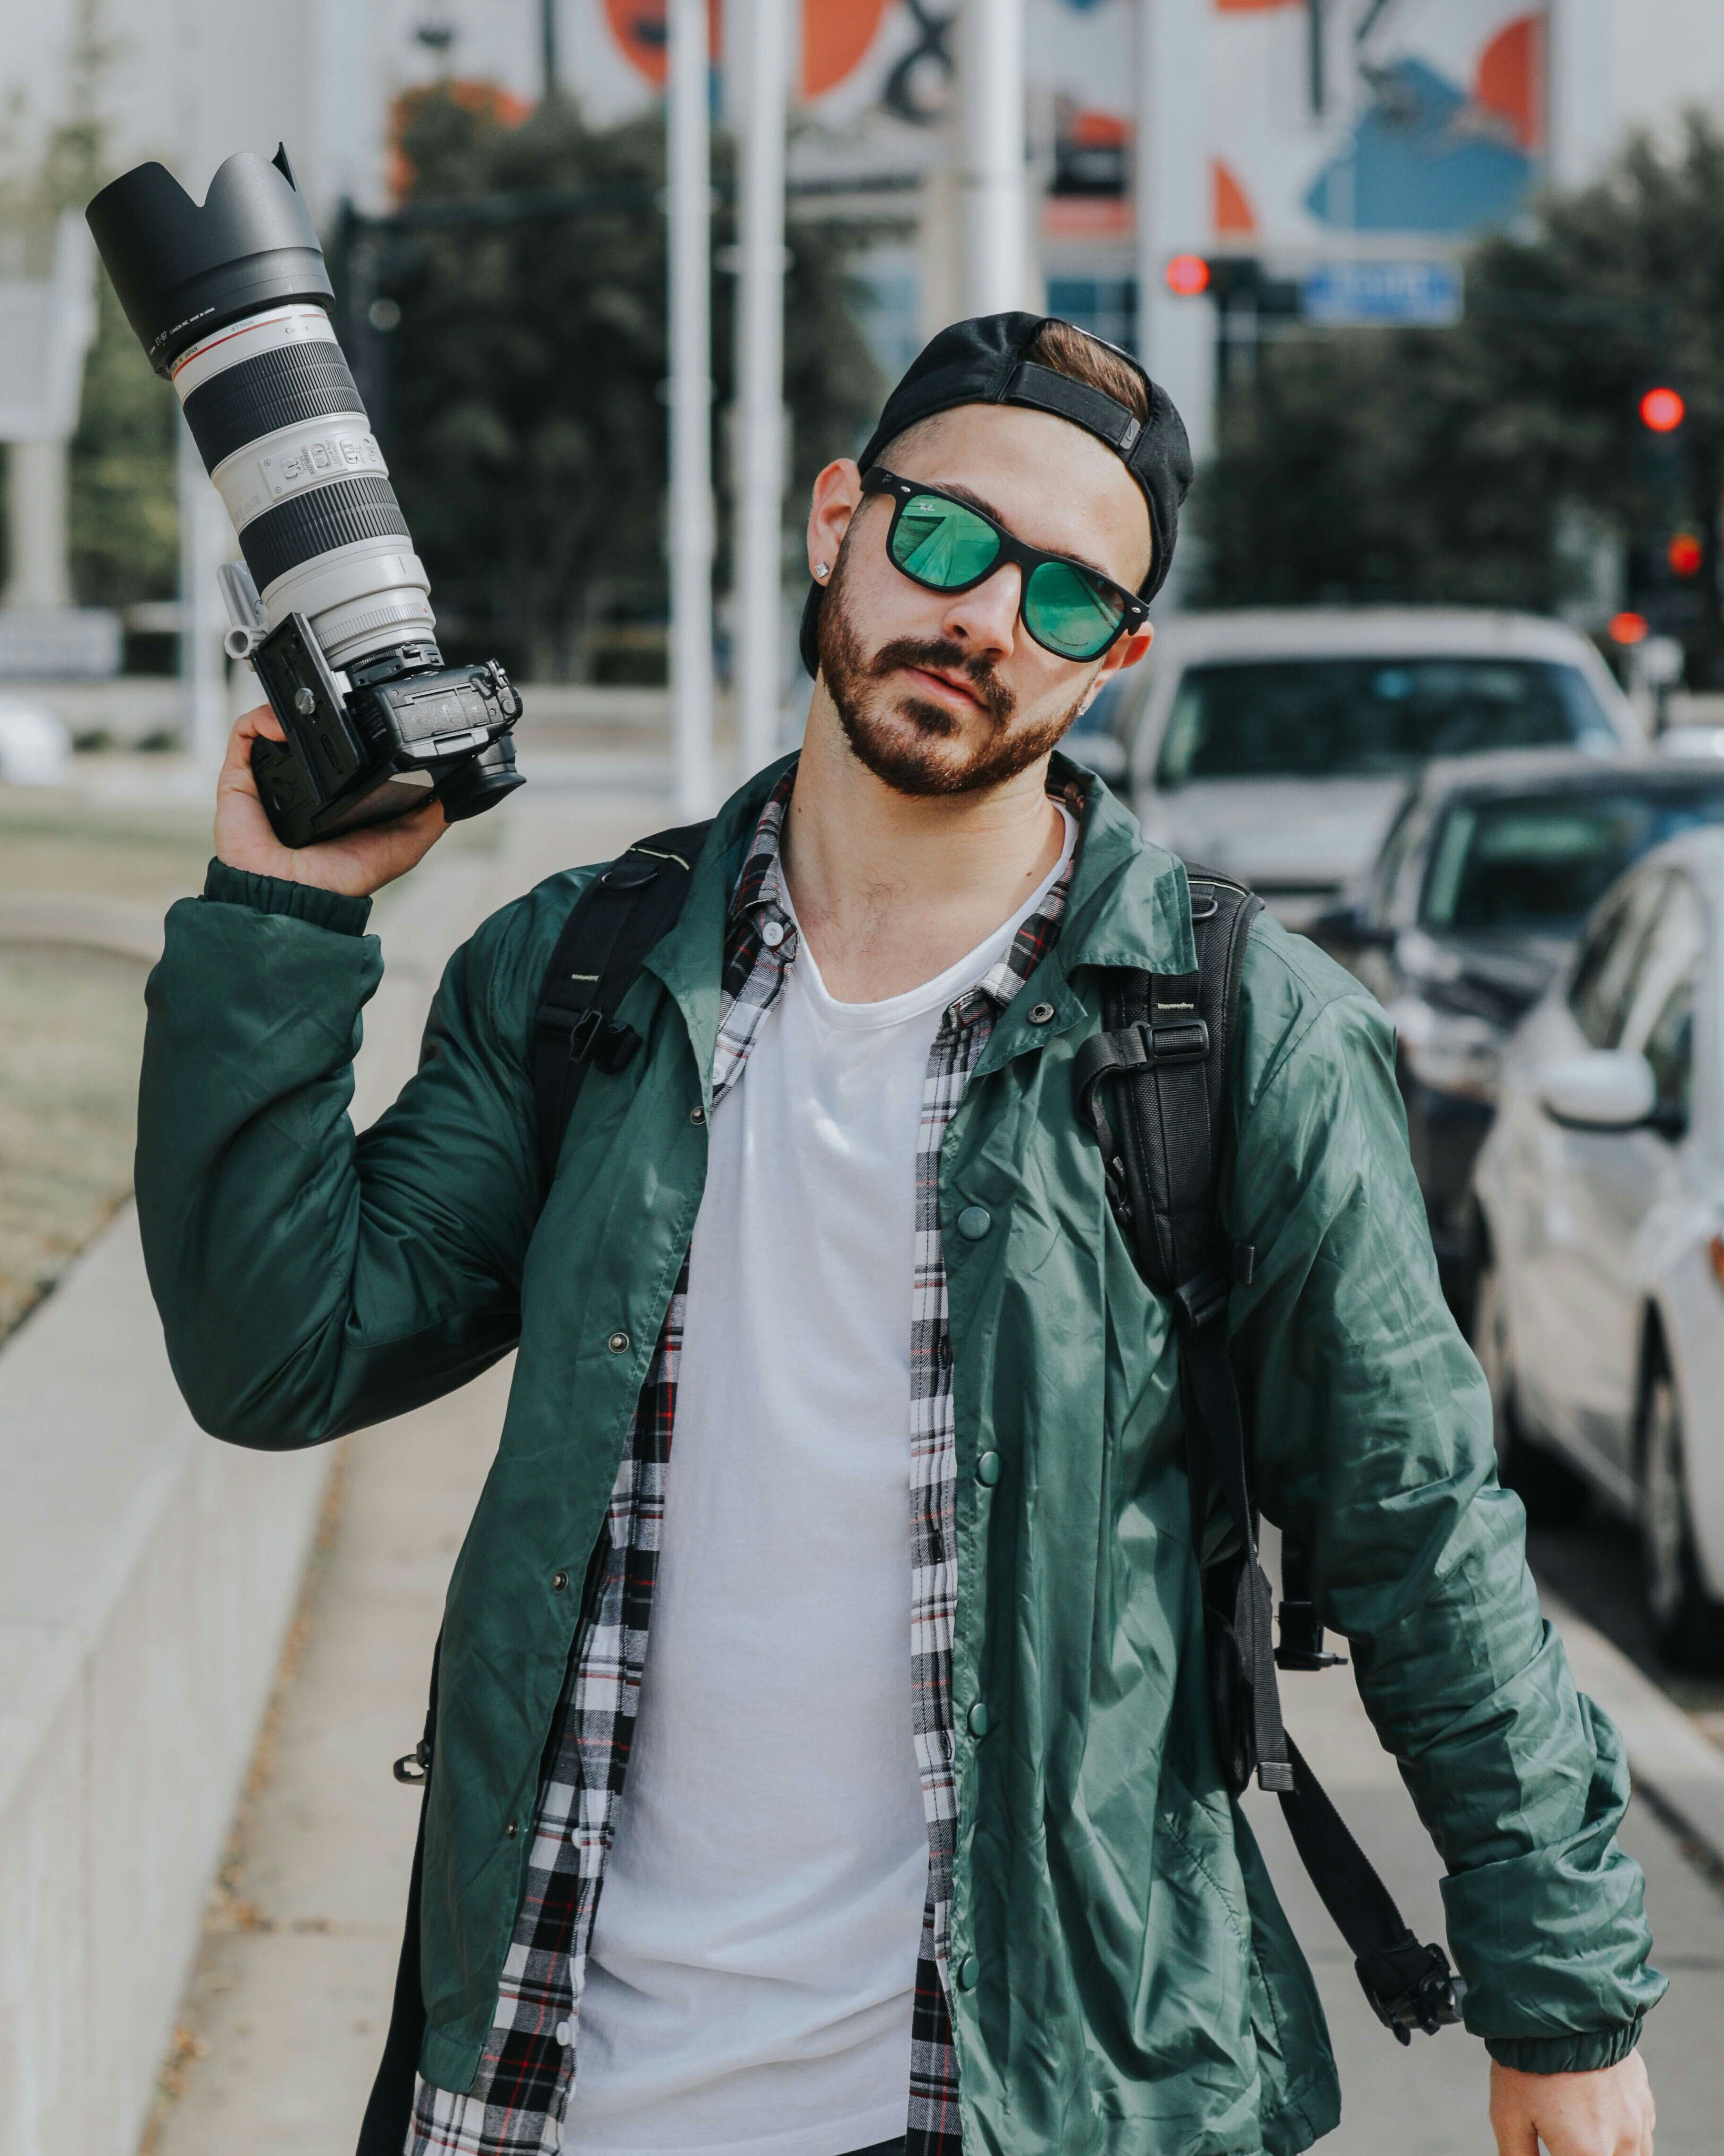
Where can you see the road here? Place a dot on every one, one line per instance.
(283, 2016)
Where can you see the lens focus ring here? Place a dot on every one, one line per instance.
(272, 389)
(314, 523)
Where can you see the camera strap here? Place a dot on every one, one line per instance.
(1153, 1089)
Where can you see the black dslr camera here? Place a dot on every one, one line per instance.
(231, 302)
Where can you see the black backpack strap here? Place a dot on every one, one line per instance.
(1153, 1088)
(389, 2112)
(611, 927)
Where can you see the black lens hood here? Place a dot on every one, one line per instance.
(183, 269)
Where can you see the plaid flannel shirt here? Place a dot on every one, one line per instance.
(521, 2092)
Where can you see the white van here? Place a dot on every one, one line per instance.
(1276, 745)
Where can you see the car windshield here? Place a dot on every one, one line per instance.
(1536, 864)
(1370, 718)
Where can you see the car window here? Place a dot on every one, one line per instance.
(1537, 863)
(1670, 1050)
(1608, 965)
(1393, 859)
(1335, 718)
(1670, 954)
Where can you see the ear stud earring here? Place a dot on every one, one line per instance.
(821, 569)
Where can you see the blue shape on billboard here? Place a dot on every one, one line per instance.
(1421, 159)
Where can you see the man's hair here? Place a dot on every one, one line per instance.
(1070, 351)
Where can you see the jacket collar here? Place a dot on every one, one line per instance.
(1128, 904)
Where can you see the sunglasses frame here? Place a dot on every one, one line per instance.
(1134, 610)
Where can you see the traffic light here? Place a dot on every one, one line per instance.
(1188, 275)
(1663, 411)
(1684, 555)
(1627, 629)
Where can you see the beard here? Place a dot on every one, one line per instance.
(900, 740)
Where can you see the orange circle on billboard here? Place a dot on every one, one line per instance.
(835, 36)
(1663, 410)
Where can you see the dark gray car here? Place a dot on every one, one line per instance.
(1479, 895)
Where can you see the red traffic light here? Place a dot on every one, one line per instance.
(1187, 274)
(1663, 411)
(1685, 554)
(1627, 629)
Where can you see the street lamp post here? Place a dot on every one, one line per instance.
(760, 380)
(992, 169)
(691, 538)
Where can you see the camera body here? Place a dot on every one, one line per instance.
(231, 300)
(379, 741)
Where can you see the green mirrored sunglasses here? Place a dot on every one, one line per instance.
(944, 544)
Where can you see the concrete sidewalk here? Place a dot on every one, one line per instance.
(285, 2017)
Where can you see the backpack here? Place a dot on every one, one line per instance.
(1153, 1087)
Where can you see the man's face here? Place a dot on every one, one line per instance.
(946, 692)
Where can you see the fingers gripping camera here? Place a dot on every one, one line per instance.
(231, 302)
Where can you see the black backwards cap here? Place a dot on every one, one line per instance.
(981, 361)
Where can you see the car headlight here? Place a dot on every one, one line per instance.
(1447, 1051)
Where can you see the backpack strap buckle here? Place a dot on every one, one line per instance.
(592, 1036)
(1201, 1301)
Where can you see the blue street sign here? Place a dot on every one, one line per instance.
(1427, 293)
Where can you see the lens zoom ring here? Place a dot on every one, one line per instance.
(270, 390)
(329, 517)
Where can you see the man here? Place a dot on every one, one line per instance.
(881, 1717)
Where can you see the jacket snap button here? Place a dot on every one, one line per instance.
(987, 1469)
(697, 1115)
(1040, 1013)
(772, 935)
(974, 1222)
(969, 1970)
(617, 1343)
(559, 1580)
(565, 2034)
(511, 1829)
(978, 1720)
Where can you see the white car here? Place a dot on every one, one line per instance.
(1277, 746)
(1599, 1318)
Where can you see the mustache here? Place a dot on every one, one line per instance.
(941, 652)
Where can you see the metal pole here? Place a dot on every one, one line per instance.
(992, 159)
(690, 548)
(1176, 335)
(547, 46)
(760, 382)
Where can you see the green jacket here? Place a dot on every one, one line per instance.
(1139, 1986)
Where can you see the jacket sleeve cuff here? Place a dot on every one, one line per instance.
(1585, 2053)
(301, 901)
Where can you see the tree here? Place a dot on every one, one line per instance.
(1444, 464)
(122, 510)
(521, 400)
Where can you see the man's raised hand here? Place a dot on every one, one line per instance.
(355, 864)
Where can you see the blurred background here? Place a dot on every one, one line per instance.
(1438, 287)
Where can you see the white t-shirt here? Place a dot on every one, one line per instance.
(749, 1986)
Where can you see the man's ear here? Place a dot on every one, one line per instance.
(1127, 652)
(838, 494)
